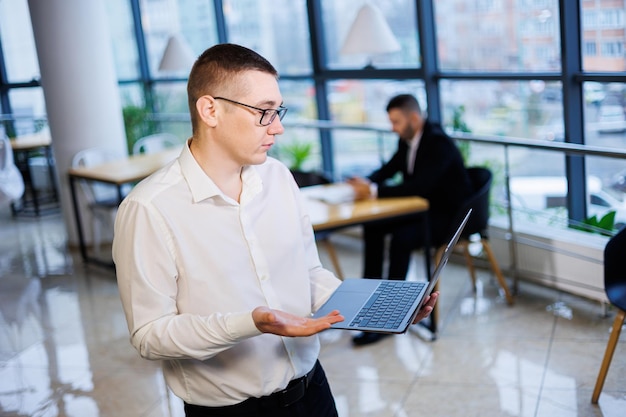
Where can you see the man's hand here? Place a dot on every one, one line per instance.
(427, 308)
(285, 324)
(361, 188)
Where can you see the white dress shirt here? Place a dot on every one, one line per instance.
(193, 263)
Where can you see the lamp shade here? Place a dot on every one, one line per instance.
(177, 56)
(369, 34)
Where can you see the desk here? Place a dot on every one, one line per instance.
(125, 171)
(328, 217)
(35, 201)
(325, 217)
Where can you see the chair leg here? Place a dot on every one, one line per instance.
(470, 264)
(334, 259)
(608, 354)
(496, 270)
(96, 234)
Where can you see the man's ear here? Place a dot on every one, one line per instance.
(416, 119)
(205, 106)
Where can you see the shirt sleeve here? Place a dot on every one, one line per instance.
(147, 275)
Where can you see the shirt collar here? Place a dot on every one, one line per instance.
(202, 186)
(416, 138)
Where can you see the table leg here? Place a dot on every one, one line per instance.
(79, 226)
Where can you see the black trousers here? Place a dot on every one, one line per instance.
(406, 234)
(317, 401)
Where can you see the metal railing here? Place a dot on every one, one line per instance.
(506, 143)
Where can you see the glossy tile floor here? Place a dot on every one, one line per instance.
(64, 347)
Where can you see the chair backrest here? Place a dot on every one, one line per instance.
(154, 143)
(479, 203)
(615, 269)
(94, 191)
(306, 179)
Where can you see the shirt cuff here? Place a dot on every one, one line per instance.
(241, 325)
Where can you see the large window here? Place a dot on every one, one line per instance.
(491, 68)
(18, 45)
(362, 103)
(337, 16)
(507, 36)
(276, 29)
(192, 20)
(523, 109)
(122, 29)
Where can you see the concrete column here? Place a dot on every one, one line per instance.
(80, 86)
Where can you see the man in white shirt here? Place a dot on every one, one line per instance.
(216, 260)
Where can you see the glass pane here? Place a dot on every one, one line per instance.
(605, 126)
(124, 42)
(193, 20)
(603, 36)
(498, 35)
(299, 147)
(493, 158)
(132, 94)
(299, 97)
(29, 110)
(538, 189)
(605, 118)
(171, 97)
(360, 150)
(139, 120)
(400, 16)
(18, 43)
(606, 188)
(525, 109)
(278, 30)
(172, 110)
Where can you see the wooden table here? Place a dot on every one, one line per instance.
(127, 170)
(119, 173)
(33, 202)
(329, 217)
(326, 216)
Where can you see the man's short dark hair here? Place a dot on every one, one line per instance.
(214, 73)
(405, 102)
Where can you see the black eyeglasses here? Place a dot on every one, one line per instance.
(267, 115)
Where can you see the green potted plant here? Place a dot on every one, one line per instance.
(136, 123)
(604, 225)
(295, 153)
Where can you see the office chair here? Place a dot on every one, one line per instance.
(154, 143)
(615, 288)
(306, 179)
(477, 224)
(102, 199)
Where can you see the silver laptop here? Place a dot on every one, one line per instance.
(384, 306)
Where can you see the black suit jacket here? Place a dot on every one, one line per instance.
(439, 173)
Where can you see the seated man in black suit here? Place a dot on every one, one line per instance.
(430, 166)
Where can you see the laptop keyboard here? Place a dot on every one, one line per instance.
(386, 308)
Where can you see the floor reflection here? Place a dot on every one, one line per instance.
(65, 351)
